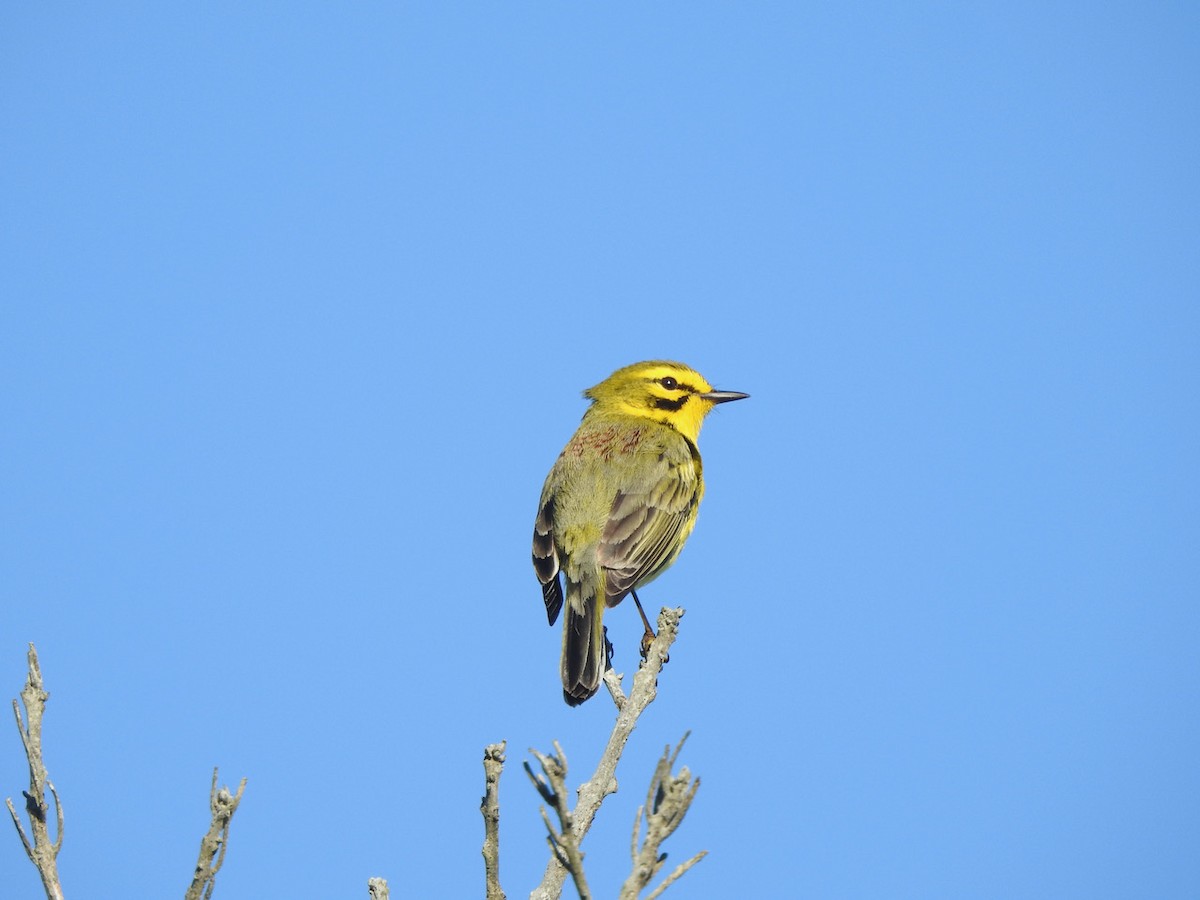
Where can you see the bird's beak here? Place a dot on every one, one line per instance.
(723, 396)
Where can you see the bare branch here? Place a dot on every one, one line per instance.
(553, 789)
(42, 852)
(493, 765)
(603, 781)
(676, 875)
(667, 802)
(212, 846)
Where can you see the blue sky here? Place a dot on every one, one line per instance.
(298, 302)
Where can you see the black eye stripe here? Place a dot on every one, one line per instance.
(671, 383)
(672, 405)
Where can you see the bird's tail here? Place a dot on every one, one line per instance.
(585, 648)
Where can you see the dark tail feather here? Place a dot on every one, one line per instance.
(585, 650)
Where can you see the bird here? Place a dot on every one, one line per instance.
(619, 504)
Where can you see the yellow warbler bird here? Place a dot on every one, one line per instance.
(619, 504)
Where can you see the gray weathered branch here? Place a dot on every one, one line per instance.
(552, 785)
(42, 852)
(493, 765)
(603, 781)
(212, 846)
(667, 802)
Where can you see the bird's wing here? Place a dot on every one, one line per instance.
(650, 512)
(545, 556)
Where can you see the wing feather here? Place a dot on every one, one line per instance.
(645, 527)
(545, 559)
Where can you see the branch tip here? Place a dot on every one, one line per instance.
(41, 850)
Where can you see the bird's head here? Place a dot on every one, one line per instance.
(667, 392)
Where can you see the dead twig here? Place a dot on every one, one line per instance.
(603, 781)
(214, 843)
(42, 852)
(552, 785)
(667, 802)
(493, 765)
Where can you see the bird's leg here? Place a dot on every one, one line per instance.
(608, 649)
(648, 635)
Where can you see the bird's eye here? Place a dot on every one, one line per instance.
(669, 383)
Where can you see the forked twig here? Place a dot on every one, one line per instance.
(552, 786)
(214, 843)
(603, 781)
(42, 852)
(667, 802)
